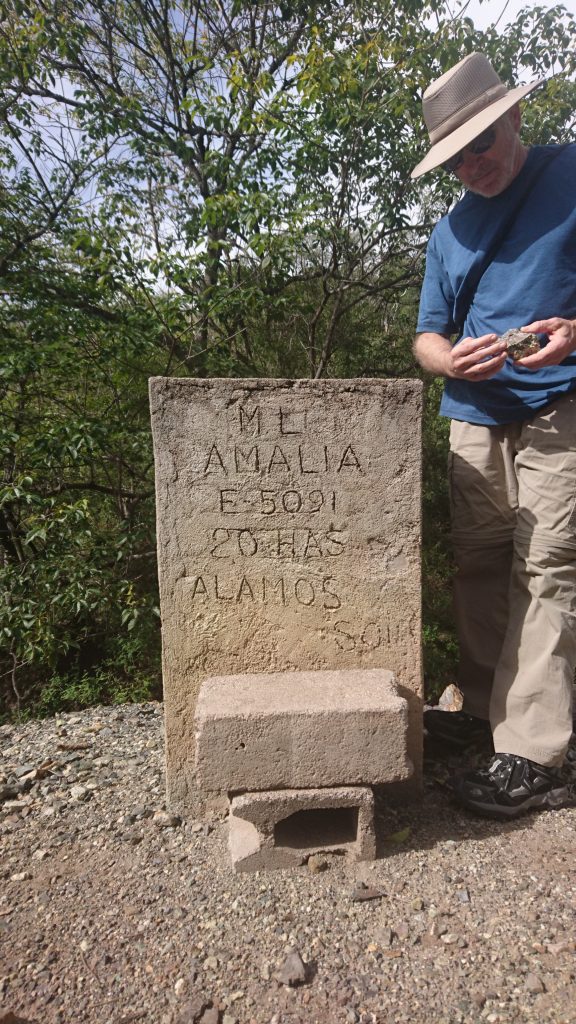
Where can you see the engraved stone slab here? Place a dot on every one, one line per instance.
(295, 730)
(283, 828)
(288, 518)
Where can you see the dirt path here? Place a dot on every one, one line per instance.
(111, 911)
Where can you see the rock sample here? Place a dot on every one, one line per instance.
(520, 344)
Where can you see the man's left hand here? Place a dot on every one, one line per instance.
(561, 342)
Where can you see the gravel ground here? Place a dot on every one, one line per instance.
(112, 910)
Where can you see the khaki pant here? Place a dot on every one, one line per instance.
(513, 495)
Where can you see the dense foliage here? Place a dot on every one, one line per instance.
(209, 189)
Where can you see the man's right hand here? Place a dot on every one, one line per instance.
(476, 358)
(473, 359)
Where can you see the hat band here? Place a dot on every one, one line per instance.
(465, 113)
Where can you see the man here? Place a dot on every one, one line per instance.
(505, 257)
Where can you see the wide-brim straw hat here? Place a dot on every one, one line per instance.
(461, 104)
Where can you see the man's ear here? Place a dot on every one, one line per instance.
(515, 117)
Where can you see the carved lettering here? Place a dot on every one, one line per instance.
(335, 545)
(312, 548)
(247, 462)
(285, 543)
(349, 460)
(234, 501)
(278, 459)
(272, 459)
(292, 422)
(267, 499)
(304, 592)
(221, 536)
(295, 502)
(360, 637)
(343, 638)
(276, 543)
(199, 588)
(214, 462)
(244, 590)
(219, 592)
(250, 544)
(265, 590)
(247, 543)
(227, 504)
(371, 636)
(328, 588)
(313, 461)
(291, 501)
(247, 418)
(271, 588)
(316, 501)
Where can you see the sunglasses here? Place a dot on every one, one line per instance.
(481, 144)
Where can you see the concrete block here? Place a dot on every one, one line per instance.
(296, 730)
(283, 828)
(288, 517)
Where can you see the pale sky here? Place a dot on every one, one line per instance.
(488, 12)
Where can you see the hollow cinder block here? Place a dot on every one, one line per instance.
(294, 730)
(282, 828)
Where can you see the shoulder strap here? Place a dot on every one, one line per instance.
(482, 261)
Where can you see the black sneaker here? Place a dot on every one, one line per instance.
(510, 786)
(458, 729)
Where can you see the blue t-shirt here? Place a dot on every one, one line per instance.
(531, 277)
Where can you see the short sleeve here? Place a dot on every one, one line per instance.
(436, 297)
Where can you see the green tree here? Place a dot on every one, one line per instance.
(206, 188)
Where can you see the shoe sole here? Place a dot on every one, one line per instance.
(552, 801)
